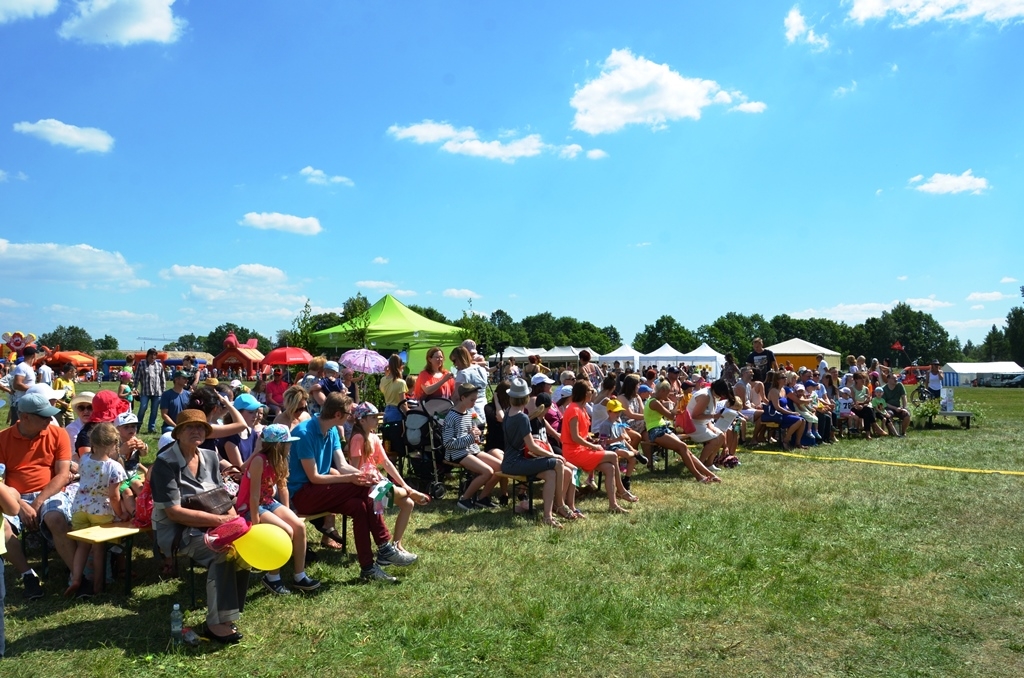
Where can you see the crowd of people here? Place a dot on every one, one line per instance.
(285, 451)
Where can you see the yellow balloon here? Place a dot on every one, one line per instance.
(266, 547)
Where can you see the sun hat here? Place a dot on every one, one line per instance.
(541, 378)
(519, 388)
(332, 366)
(467, 388)
(277, 433)
(126, 418)
(45, 391)
(37, 404)
(85, 397)
(364, 410)
(124, 375)
(563, 392)
(613, 405)
(235, 383)
(247, 402)
(211, 381)
(106, 406)
(186, 417)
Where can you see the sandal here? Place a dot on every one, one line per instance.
(564, 511)
(628, 496)
(332, 540)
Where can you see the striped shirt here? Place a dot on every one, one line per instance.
(457, 435)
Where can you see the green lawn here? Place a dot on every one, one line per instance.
(790, 566)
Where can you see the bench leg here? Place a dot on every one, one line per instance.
(344, 534)
(127, 545)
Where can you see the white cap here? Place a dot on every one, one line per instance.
(541, 378)
(45, 391)
(126, 418)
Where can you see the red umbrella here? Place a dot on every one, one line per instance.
(288, 355)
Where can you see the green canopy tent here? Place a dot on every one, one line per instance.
(391, 325)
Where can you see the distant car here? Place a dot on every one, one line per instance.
(1016, 382)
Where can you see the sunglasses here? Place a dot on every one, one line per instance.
(83, 408)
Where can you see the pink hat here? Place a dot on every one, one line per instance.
(106, 406)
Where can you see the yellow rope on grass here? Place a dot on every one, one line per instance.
(887, 463)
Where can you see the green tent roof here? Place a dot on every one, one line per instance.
(390, 324)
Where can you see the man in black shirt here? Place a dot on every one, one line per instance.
(761, 360)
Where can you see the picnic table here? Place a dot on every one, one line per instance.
(101, 534)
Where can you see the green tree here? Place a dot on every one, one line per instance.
(1014, 334)
(301, 334)
(325, 321)
(430, 312)
(515, 333)
(918, 332)
(70, 338)
(542, 331)
(355, 306)
(614, 338)
(665, 329)
(587, 334)
(215, 339)
(106, 343)
(734, 333)
(995, 346)
(188, 342)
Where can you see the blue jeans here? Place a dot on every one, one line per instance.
(153, 403)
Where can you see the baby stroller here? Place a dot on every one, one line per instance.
(424, 446)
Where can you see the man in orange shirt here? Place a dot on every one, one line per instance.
(37, 459)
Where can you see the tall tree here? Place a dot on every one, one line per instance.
(734, 333)
(515, 333)
(995, 346)
(1014, 334)
(70, 338)
(355, 306)
(430, 312)
(188, 342)
(614, 338)
(917, 331)
(665, 329)
(542, 331)
(106, 343)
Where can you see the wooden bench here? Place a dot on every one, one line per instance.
(101, 534)
(963, 417)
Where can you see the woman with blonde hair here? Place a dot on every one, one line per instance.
(473, 374)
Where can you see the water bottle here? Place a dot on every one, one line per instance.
(176, 624)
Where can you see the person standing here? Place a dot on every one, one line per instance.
(174, 400)
(762, 360)
(44, 374)
(23, 377)
(149, 384)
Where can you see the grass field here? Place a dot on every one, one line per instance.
(789, 567)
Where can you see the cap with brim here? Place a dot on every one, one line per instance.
(672, 369)
(278, 433)
(332, 366)
(45, 391)
(365, 410)
(467, 389)
(936, 362)
(246, 402)
(106, 406)
(686, 384)
(179, 374)
(541, 378)
(186, 417)
(37, 404)
(563, 392)
(543, 400)
(644, 388)
(126, 419)
(614, 405)
(235, 383)
(85, 397)
(519, 389)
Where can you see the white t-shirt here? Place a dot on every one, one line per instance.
(29, 379)
(46, 375)
(822, 369)
(477, 376)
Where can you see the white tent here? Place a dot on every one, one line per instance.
(962, 374)
(562, 354)
(624, 354)
(517, 352)
(703, 356)
(664, 355)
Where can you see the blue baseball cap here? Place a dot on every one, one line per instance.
(247, 402)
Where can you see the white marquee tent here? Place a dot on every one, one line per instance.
(705, 355)
(624, 354)
(664, 355)
(962, 374)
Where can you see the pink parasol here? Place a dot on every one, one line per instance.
(364, 360)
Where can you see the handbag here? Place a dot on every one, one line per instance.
(685, 421)
(216, 501)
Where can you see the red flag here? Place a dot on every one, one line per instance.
(897, 346)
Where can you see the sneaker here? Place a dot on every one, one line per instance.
(374, 573)
(714, 469)
(465, 504)
(485, 503)
(85, 590)
(389, 555)
(276, 586)
(307, 583)
(641, 458)
(33, 588)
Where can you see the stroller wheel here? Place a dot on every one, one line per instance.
(437, 490)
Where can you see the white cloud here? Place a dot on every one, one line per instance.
(12, 10)
(78, 265)
(461, 293)
(251, 292)
(901, 277)
(3, 176)
(851, 313)
(596, 154)
(843, 91)
(894, 68)
(1008, 279)
(122, 22)
(380, 260)
(796, 29)
(61, 134)
(988, 296)
(642, 244)
(976, 322)
(320, 178)
(466, 141)
(951, 183)
(569, 152)
(750, 107)
(404, 293)
(977, 307)
(912, 12)
(634, 90)
(376, 284)
(929, 303)
(10, 303)
(275, 221)
(878, 192)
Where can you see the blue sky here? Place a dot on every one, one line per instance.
(169, 166)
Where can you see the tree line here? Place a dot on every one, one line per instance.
(917, 332)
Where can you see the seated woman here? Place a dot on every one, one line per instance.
(181, 471)
(862, 406)
(657, 413)
(702, 414)
(777, 410)
(434, 381)
(525, 457)
(633, 409)
(589, 456)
